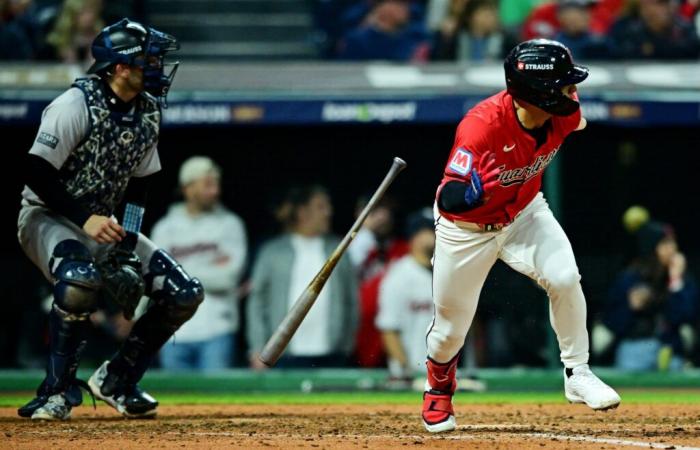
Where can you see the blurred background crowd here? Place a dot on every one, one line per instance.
(377, 306)
(394, 30)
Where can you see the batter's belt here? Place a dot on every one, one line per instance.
(480, 227)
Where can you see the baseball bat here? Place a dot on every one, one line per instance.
(283, 334)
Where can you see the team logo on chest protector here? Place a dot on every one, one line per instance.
(98, 170)
(523, 174)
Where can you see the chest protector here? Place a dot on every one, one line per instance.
(98, 170)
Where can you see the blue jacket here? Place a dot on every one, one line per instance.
(662, 319)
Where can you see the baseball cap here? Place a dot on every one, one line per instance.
(197, 167)
(650, 234)
(418, 221)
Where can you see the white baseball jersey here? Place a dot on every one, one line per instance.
(406, 306)
(212, 247)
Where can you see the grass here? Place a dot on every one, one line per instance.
(636, 396)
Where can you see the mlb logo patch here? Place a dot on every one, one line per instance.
(521, 65)
(47, 139)
(462, 161)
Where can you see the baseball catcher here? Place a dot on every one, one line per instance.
(91, 162)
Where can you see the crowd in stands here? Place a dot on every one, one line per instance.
(57, 30)
(485, 30)
(400, 30)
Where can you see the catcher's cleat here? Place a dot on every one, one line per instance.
(128, 399)
(52, 403)
(583, 386)
(438, 414)
(55, 407)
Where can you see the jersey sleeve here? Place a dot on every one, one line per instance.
(150, 163)
(391, 301)
(569, 124)
(471, 141)
(64, 123)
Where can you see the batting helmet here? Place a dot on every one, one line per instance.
(128, 42)
(537, 69)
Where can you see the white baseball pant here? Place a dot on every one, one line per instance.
(534, 245)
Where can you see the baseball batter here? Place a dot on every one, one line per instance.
(489, 206)
(96, 149)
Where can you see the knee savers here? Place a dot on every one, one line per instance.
(77, 281)
(170, 286)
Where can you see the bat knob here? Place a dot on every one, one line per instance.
(400, 163)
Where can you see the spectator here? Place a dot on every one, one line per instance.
(76, 26)
(574, 17)
(15, 42)
(650, 301)
(689, 9)
(477, 37)
(283, 268)
(544, 20)
(210, 242)
(375, 244)
(358, 11)
(387, 33)
(653, 29)
(372, 250)
(444, 15)
(405, 299)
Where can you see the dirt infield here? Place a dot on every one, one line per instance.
(555, 426)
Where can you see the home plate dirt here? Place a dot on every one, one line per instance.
(555, 426)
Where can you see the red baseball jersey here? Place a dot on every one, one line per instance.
(492, 126)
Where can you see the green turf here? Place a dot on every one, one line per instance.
(389, 398)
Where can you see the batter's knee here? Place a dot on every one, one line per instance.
(563, 280)
(173, 289)
(77, 281)
(442, 347)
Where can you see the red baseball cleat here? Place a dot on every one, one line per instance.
(438, 414)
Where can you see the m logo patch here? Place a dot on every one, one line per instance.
(462, 161)
(47, 139)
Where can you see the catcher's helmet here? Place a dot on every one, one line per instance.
(537, 69)
(128, 42)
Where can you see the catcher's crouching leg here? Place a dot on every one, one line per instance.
(76, 286)
(175, 297)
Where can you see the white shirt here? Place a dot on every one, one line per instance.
(406, 306)
(311, 339)
(211, 246)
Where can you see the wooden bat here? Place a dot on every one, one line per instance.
(280, 339)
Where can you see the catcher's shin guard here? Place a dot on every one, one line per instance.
(176, 297)
(67, 342)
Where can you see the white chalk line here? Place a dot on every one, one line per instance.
(611, 441)
(515, 430)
